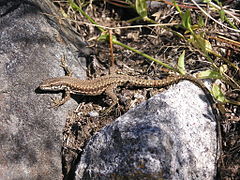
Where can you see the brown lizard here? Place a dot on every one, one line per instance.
(107, 84)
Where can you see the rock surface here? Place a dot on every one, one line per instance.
(171, 136)
(30, 132)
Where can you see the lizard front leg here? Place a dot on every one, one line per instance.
(60, 101)
(68, 71)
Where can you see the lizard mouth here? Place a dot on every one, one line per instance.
(45, 88)
(51, 88)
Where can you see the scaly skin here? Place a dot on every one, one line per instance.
(107, 84)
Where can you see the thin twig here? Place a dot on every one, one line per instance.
(208, 15)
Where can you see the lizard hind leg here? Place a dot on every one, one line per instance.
(110, 93)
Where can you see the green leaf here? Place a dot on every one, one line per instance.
(199, 42)
(223, 68)
(186, 20)
(141, 8)
(208, 45)
(201, 21)
(177, 7)
(209, 74)
(222, 15)
(73, 5)
(104, 37)
(206, 1)
(181, 64)
(217, 93)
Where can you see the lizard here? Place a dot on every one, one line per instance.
(108, 83)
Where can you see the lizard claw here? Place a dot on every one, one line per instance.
(105, 112)
(108, 110)
(56, 102)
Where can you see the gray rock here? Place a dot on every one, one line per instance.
(171, 136)
(30, 132)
